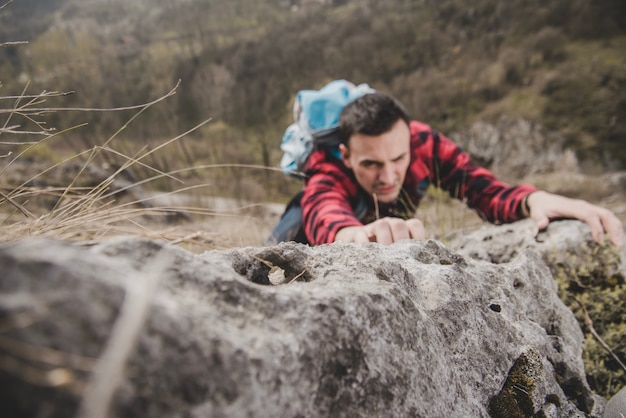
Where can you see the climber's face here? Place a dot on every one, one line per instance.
(380, 162)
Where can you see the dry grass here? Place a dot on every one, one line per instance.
(73, 209)
(86, 215)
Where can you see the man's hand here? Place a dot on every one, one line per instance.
(384, 231)
(545, 206)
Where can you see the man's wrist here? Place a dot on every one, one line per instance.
(525, 207)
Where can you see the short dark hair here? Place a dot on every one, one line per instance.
(372, 114)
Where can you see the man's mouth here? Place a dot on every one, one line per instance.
(385, 190)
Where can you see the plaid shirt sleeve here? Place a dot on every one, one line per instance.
(326, 203)
(441, 161)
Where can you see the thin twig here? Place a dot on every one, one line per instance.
(19, 207)
(11, 131)
(194, 168)
(45, 139)
(12, 43)
(589, 324)
(376, 210)
(186, 238)
(297, 277)
(6, 4)
(90, 109)
(34, 96)
(267, 263)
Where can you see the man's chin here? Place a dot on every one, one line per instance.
(386, 197)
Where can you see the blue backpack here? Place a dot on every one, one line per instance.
(316, 122)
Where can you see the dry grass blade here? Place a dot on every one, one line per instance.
(36, 376)
(93, 195)
(109, 369)
(20, 154)
(198, 126)
(186, 238)
(131, 161)
(19, 207)
(100, 188)
(297, 277)
(46, 355)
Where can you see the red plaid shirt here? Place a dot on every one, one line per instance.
(333, 199)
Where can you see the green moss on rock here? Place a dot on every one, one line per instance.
(592, 284)
(515, 400)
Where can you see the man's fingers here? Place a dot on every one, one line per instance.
(382, 232)
(360, 236)
(603, 221)
(389, 230)
(541, 220)
(597, 230)
(400, 230)
(353, 234)
(613, 227)
(546, 206)
(416, 229)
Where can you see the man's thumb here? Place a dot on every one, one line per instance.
(542, 221)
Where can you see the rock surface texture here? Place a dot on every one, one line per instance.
(135, 327)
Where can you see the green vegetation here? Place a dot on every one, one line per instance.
(515, 400)
(593, 287)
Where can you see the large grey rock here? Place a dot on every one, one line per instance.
(558, 244)
(410, 329)
(514, 148)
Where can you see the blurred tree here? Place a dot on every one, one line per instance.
(241, 61)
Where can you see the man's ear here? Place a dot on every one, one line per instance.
(345, 155)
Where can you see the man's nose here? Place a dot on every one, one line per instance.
(387, 175)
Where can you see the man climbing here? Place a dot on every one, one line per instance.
(370, 190)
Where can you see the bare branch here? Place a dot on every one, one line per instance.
(593, 331)
(6, 4)
(47, 94)
(12, 131)
(89, 109)
(12, 43)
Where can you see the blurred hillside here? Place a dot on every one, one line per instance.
(561, 64)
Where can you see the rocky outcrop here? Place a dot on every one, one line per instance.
(141, 328)
(520, 151)
(514, 148)
(591, 279)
